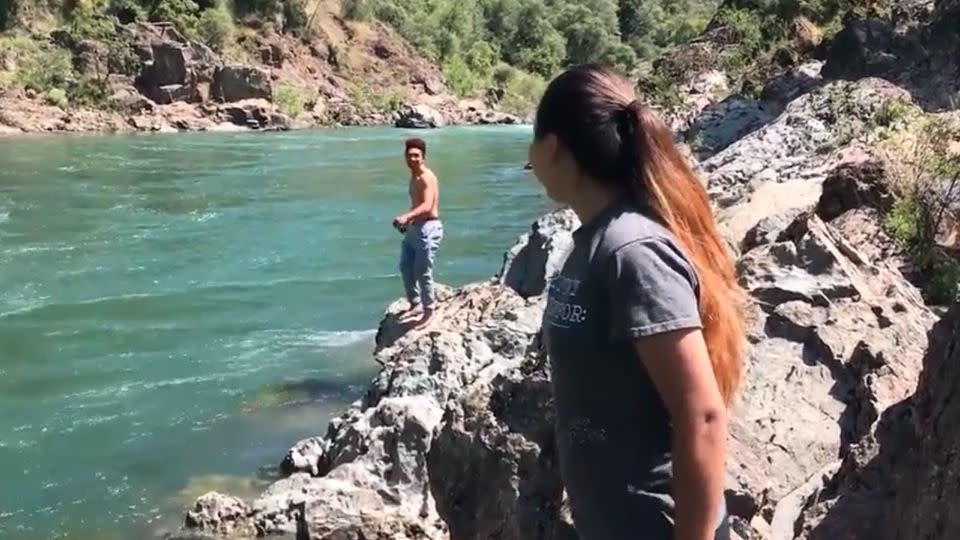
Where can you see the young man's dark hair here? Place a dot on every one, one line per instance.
(419, 144)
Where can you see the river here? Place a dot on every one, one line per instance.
(177, 310)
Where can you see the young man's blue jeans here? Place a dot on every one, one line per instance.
(418, 251)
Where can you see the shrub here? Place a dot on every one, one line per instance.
(459, 77)
(216, 29)
(57, 97)
(180, 13)
(290, 101)
(42, 66)
(521, 91)
(928, 187)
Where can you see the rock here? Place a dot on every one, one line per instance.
(253, 114)
(796, 145)
(895, 484)
(273, 54)
(842, 332)
(304, 456)
(220, 514)
(863, 48)
(787, 87)
(721, 124)
(170, 64)
(855, 185)
(374, 456)
(926, 487)
(238, 83)
(90, 57)
(419, 117)
(131, 101)
(492, 467)
(538, 255)
(167, 75)
(8, 61)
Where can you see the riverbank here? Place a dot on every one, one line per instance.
(107, 76)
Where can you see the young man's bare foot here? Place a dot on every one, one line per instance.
(414, 310)
(425, 319)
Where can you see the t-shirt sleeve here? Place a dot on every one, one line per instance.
(652, 288)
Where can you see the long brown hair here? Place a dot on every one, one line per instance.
(618, 141)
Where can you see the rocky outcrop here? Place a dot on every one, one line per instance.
(529, 264)
(912, 43)
(900, 482)
(419, 117)
(455, 435)
(927, 488)
(368, 475)
(238, 83)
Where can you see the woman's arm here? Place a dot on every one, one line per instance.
(680, 368)
(653, 300)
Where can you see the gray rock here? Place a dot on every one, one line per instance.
(238, 83)
(538, 255)
(419, 117)
(374, 456)
(796, 146)
(721, 124)
(492, 466)
(221, 515)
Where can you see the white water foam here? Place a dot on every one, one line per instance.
(340, 339)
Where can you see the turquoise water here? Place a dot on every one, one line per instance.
(177, 310)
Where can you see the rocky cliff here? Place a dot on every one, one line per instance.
(453, 438)
(140, 76)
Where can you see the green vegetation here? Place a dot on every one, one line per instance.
(65, 76)
(927, 185)
(472, 39)
(210, 20)
(290, 100)
(364, 97)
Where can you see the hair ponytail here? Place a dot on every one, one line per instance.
(618, 141)
(665, 183)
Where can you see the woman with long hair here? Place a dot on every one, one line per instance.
(643, 325)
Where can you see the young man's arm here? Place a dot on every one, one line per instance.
(425, 188)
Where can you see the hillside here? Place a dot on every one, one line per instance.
(79, 65)
(125, 65)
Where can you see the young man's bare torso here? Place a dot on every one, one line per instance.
(423, 233)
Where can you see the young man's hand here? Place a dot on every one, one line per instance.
(401, 221)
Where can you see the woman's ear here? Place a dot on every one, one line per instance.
(552, 147)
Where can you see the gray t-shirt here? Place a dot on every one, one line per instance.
(626, 277)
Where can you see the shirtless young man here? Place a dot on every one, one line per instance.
(423, 233)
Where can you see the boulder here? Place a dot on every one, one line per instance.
(419, 117)
(538, 255)
(254, 114)
(865, 47)
(238, 83)
(900, 482)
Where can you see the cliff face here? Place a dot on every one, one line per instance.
(927, 489)
(139, 76)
